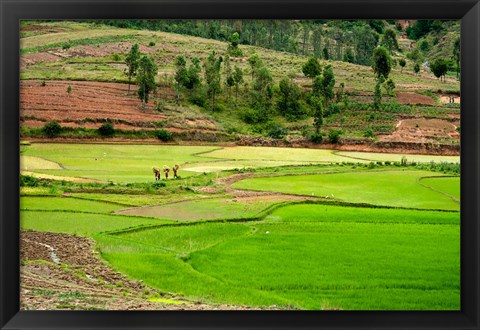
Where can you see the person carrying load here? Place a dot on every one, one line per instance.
(157, 173)
(166, 169)
(175, 169)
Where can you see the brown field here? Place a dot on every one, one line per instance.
(414, 98)
(91, 103)
(423, 130)
(94, 100)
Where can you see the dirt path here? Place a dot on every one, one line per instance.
(60, 271)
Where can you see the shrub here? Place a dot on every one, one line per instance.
(316, 137)
(116, 57)
(66, 46)
(28, 181)
(106, 129)
(158, 184)
(69, 89)
(199, 98)
(334, 135)
(369, 133)
(164, 135)
(276, 131)
(52, 129)
(252, 116)
(151, 43)
(218, 108)
(333, 109)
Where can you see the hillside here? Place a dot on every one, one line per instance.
(90, 58)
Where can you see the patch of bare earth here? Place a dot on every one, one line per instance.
(449, 98)
(414, 98)
(422, 130)
(60, 271)
(91, 103)
(92, 100)
(33, 58)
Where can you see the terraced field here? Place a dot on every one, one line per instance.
(133, 163)
(317, 232)
(264, 212)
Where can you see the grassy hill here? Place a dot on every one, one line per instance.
(55, 55)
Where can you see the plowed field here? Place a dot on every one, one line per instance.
(93, 100)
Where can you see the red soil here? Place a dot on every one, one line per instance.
(414, 98)
(95, 100)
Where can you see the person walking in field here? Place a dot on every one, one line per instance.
(175, 169)
(166, 169)
(157, 173)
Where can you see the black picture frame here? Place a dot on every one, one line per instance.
(468, 11)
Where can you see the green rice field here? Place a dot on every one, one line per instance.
(291, 228)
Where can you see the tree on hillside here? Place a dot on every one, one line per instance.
(348, 56)
(193, 73)
(326, 54)
(377, 92)
(229, 81)
(377, 24)
(312, 68)
(317, 41)
(306, 28)
(146, 73)
(439, 68)
(382, 65)
(132, 61)
(456, 54)
(263, 92)
(181, 74)
(389, 40)
(233, 48)
(213, 76)
(424, 46)
(402, 64)
(255, 63)
(421, 27)
(289, 103)
(416, 68)
(238, 79)
(317, 104)
(415, 55)
(381, 62)
(324, 84)
(366, 40)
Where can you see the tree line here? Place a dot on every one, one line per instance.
(345, 40)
